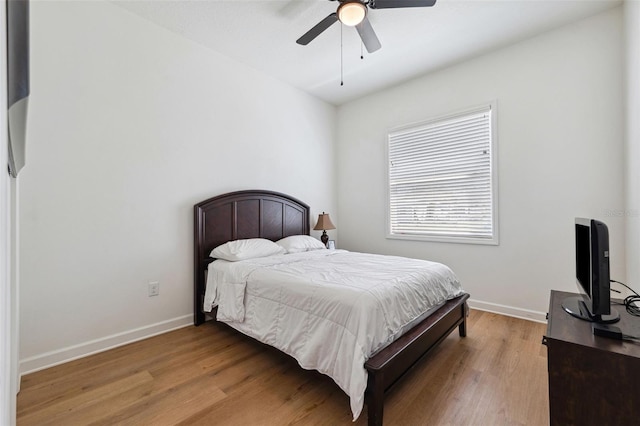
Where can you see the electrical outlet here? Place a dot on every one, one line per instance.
(154, 288)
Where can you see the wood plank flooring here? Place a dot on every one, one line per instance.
(212, 375)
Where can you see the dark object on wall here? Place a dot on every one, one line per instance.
(17, 81)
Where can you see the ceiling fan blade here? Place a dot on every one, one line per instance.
(390, 4)
(318, 29)
(368, 36)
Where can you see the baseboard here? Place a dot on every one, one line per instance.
(60, 356)
(508, 311)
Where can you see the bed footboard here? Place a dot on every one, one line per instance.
(393, 362)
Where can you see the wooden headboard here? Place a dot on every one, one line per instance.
(239, 215)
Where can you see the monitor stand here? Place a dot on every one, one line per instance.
(576, 307)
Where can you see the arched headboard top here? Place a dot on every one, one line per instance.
(239, 215)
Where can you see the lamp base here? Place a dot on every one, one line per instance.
(324, 238)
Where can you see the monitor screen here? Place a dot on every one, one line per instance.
(592, 274)
(583, 257)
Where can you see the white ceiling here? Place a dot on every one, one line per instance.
(262, 34)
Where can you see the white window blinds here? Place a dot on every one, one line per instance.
(441, 179)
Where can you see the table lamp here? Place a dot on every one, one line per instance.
(324, 223)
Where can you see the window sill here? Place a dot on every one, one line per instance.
(438, 239)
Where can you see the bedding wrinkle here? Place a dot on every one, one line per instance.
(329, 309)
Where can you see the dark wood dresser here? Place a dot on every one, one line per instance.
(593, 380)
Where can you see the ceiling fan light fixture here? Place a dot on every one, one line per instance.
(351, 13)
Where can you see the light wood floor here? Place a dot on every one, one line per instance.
(211, 375)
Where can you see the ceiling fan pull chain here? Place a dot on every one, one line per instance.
(361, 50)
(341, 58)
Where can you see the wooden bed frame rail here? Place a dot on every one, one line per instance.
(395, 361)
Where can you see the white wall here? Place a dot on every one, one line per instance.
(130, 126)
(560, 136)
(632, 51)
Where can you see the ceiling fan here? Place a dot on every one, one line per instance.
(353, 13)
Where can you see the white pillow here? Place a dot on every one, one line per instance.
(246, 249)
(298, 243)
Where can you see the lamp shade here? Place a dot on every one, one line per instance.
(324, 222)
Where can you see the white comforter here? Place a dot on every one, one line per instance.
(329, 309)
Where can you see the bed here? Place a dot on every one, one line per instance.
(271, 215)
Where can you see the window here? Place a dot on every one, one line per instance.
(443, 181)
